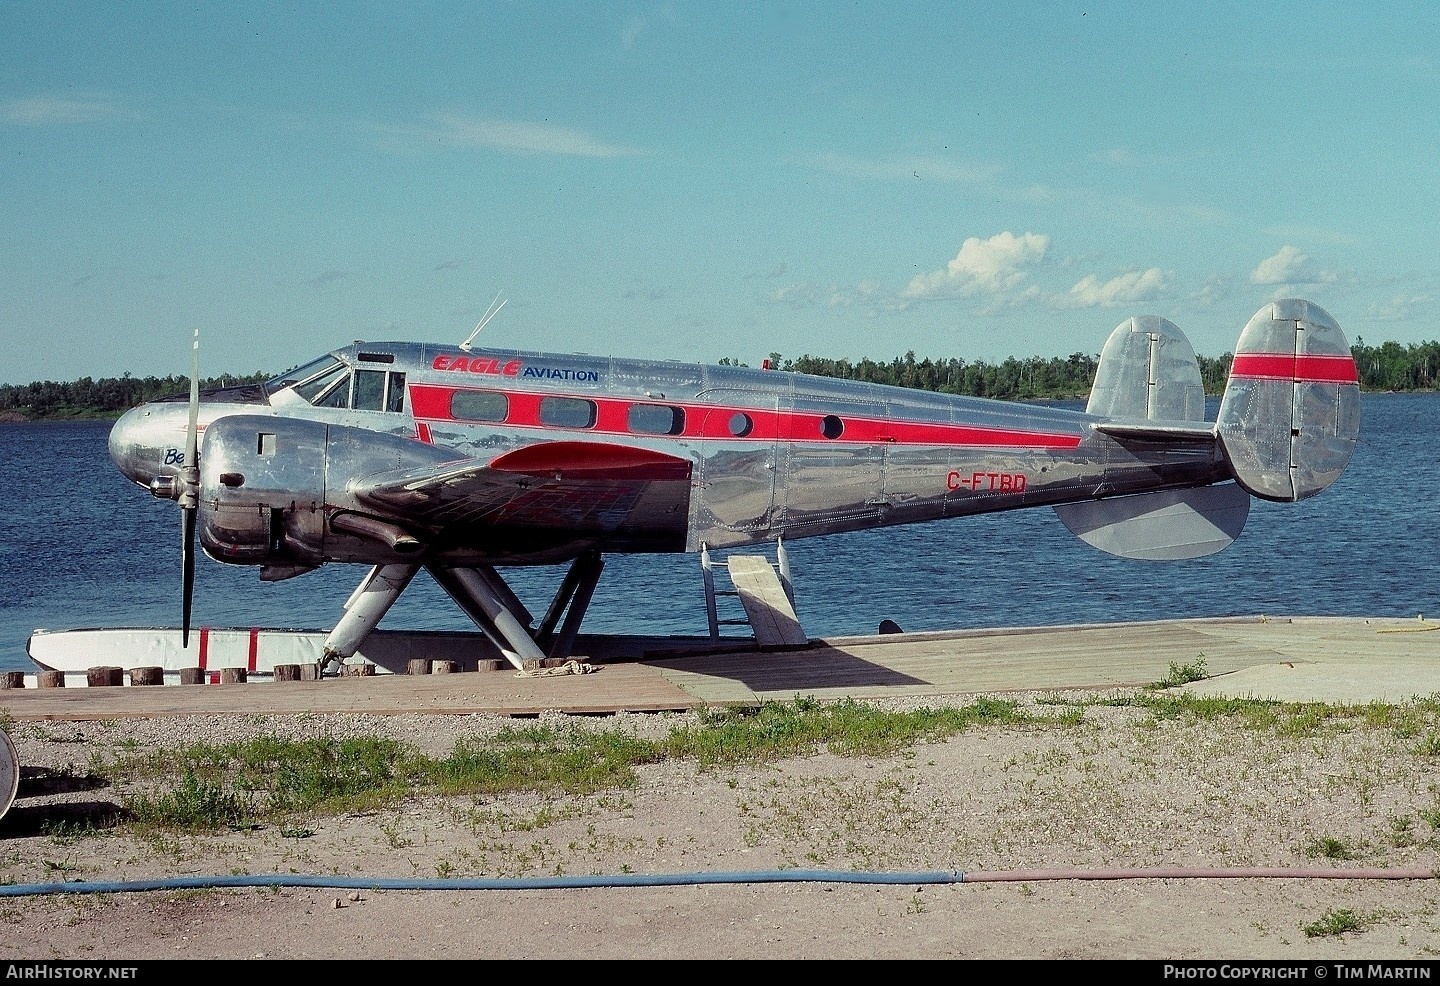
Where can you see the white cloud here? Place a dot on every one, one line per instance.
(1091, 292)
(523, 137)
(1401, 307)
(40, 111)
(1289, 266)
(990, 266)
(801, 293)
(866, 292)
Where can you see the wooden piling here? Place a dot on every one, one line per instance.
(50, 679)
(444, 667)
(488, 664)
(13, 679)
(104, 676)
(310, 672)
(192, 676)
(418, 665)
(148, 675)
(287, 672)
(232, 676)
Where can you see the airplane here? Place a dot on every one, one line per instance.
(462, 461)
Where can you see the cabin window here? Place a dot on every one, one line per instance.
(656, 419)
(395, 396)
(831, 426)
(740, 424)
(479, 405)
(369, 390)
(567, 412)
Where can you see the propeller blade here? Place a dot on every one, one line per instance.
(190, 496)
(192, 440)
(187, 573)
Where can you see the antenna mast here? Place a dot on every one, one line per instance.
(490, 313)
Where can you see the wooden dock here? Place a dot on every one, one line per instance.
(1299, 659)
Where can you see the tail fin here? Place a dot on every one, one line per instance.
(1148, 371)
(1148, 385)
(1291, 411)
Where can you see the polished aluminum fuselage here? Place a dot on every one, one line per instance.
(770, 454)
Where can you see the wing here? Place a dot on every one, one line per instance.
(584, 489)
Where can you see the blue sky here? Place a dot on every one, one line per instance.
(699, 180)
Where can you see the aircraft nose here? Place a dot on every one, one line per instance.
(137, 444)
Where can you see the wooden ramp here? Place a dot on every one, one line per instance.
(766, 604)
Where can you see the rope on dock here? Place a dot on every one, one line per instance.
(1427, 629)
(569, 667)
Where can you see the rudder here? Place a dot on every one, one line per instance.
(1291, 412)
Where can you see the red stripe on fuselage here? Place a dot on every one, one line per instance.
(1299, 368)
(713, 422)
(254, 647)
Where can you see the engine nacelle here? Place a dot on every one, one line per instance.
(273, 491)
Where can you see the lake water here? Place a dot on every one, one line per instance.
(82, 547)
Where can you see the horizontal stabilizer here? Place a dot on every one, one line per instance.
(1169, 432)
(1162, 526)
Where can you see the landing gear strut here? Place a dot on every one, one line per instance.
(485, 597)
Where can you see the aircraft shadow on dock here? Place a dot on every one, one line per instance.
(812, 667)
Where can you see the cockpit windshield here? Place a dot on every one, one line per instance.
(301, 374)
(329, 382)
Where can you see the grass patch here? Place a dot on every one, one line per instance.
(541, 759)
(1183, 674)
(238, 784)
(1328, 848)
(1335, 922)
(267, 779)
(773, 729)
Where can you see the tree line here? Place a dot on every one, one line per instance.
(107, 397)
(1389, 366)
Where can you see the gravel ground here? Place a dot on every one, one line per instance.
(1114, 835)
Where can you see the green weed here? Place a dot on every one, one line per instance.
(1183, 674)
(1328, 848)
(1335, 922)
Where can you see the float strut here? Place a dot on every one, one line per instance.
(366, 606)
(587, 569)
(707, 570)
(485, 604)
